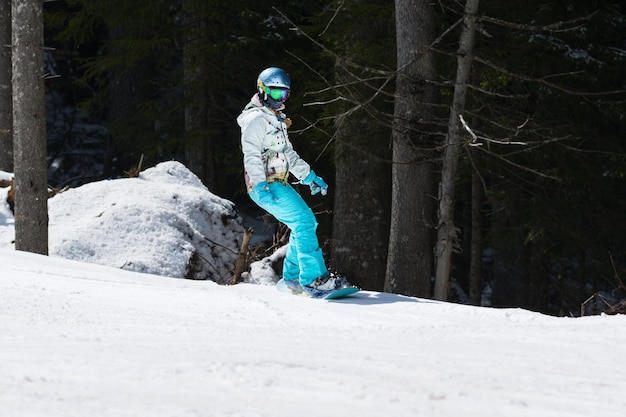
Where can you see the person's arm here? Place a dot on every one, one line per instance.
(301, 170)
(297, 166)
(252, 147)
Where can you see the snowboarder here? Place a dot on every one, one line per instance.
(268, 158)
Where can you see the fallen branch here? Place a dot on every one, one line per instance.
(242, 259)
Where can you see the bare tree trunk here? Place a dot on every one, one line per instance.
(198, 144)
(410, 259)
(447, 232)
(476, 250)
(29, 127)
(6, 106)
(362, 154)
(361, 210)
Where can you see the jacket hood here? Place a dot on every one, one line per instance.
(251, 109)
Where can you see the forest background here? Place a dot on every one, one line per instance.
(539, 175)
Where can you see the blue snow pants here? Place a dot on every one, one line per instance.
(304, 260)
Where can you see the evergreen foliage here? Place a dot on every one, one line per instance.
(547, 87)
(131, 59)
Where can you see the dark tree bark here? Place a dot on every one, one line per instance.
(476, 245)
(410, 258)
(6, 106)
(363, 172)
(362, 199)
(198, 143)
(29, 128)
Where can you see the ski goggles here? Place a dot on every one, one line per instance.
(277, 93)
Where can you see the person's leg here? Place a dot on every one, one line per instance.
(293, 211)
(291, 267)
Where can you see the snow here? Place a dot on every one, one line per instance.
(575, 54)
(83, 339)
(153, 224)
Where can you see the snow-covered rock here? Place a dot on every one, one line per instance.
(166, 222)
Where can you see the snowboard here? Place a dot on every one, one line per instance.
(293, 287)
(341, 293)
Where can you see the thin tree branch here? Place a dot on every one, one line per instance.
(552, 27)
(332, 19)
(545, 82)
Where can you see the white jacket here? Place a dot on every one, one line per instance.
(268, 155)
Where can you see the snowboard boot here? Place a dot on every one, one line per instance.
(324, 286)
(293, 285)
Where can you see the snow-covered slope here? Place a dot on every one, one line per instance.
(80, 339)
(85, 340)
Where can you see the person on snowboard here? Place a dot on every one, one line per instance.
(268, 158)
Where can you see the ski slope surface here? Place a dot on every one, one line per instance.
(80, 339)
(106, 327)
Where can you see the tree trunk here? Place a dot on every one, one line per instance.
(6, 106)
(447, 232)
(410, 259)
(362, 168)
(362, 200)
(198, 144)
(29, 127)
(476, 248)
(126, 90)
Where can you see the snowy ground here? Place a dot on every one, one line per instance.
(80, 339)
